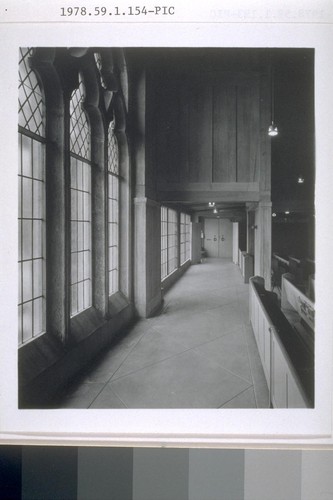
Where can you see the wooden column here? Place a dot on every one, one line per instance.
(250, 232)
(196, 242)
(263, 242)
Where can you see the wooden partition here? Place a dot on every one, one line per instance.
(288, 364)
(246, 265)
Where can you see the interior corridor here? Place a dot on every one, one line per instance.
(200, 352)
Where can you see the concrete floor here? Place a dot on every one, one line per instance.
(200, 352)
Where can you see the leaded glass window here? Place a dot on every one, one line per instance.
(113, 210)
(185, 238)
(169, 241)
(98, 61)
(79, 125)
(182, 231)
(164, 242)
(31, 102)
(188, 237)
(172, 240)
(81, 243)
(31, 209)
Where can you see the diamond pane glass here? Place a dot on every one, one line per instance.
(31, 214)
(98, 61)
(113, 210)
(113, 152)
(31, 103)
(81, 244)
(79, 126)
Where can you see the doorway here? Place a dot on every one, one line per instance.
(218, 238)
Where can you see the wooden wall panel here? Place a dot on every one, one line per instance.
(174, 143)
(208, 132)
(224, 134)
(183, 135)
(248, 147)
(264, 175)
(200, 134)
(166, 135)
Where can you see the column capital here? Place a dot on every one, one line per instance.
(143, 200)
(251, 206)
(265, 204)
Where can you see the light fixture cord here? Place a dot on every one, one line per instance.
(272, 90)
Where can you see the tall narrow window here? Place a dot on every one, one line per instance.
(182, 233)
(164, 242)
(31, 210)
(172, 240)
(188, 237)
(169, 241)
(80, 183)
(113, 210)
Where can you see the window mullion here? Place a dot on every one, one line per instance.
(80, 195)
(32, 192)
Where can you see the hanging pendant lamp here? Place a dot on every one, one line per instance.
(272, 129)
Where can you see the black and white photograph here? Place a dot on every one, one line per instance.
(166, 228)
(166, 250)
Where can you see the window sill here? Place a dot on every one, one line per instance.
(169, 280)
(46, 365)
(84, 324)
(33, 357)
(117, 302)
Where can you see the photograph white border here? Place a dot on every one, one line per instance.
(210, 428)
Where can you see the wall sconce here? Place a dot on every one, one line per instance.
(211, 204)
(300, 180)
(254, 227)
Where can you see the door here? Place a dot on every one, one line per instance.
(218, 238)
(211, 237)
